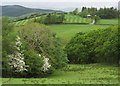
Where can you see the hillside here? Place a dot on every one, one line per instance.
(17, 10)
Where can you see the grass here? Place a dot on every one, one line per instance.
(70, 18)
(108, 21)
(74, 74)
(67, 31)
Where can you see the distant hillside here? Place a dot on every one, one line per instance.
(17, 10)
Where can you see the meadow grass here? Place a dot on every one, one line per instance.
(74, 74)
(70, 18)
(66, 31)
(108, 21)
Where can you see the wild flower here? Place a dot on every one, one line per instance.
(16, 60)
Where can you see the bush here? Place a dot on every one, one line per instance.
(96, 46)
(51, 18)
(35, 63)
(40, 40)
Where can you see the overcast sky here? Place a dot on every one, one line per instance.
(65, 5)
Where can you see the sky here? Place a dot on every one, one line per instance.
(65, 5)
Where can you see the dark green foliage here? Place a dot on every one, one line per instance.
(88, 11)
(35, 63)
(8, 38)
(96, 46)
(104, 13)
(51, 18)
(108, 13)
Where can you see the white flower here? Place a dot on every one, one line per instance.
(16, 60)
(46, 64)
(39, 55)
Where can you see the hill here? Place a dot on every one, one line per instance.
(17, 10)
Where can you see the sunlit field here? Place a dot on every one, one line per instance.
(74, 74)
(67, 31)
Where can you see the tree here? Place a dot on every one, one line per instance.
(107, 13)
(83, 8)
(8, 38)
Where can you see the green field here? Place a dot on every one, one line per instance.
(74, 74)
(69, 18)
(67, 31)
(108, 21)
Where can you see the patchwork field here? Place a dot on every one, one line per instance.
(74, 74)
(69, 18)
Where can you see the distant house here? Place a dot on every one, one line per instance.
(88, 16)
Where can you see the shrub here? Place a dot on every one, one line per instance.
(95, 46)
(40, 40)
(35, 63)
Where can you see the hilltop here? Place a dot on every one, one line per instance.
(17, 10)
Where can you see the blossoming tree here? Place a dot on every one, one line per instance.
(16, 60)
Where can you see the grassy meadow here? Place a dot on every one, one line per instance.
(74, 74)
(107, 21)
(67, 31)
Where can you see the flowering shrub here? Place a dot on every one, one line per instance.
(43, 41)
(42, 51)
(16, 60)
(46, 64)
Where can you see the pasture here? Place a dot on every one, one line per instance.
(107, 21)
(69, 18)
(74, 74)
(67, 31)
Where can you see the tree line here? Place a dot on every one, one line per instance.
(104, 13)
(51, 18)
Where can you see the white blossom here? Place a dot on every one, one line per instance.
(16, 60)
(46, 64)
